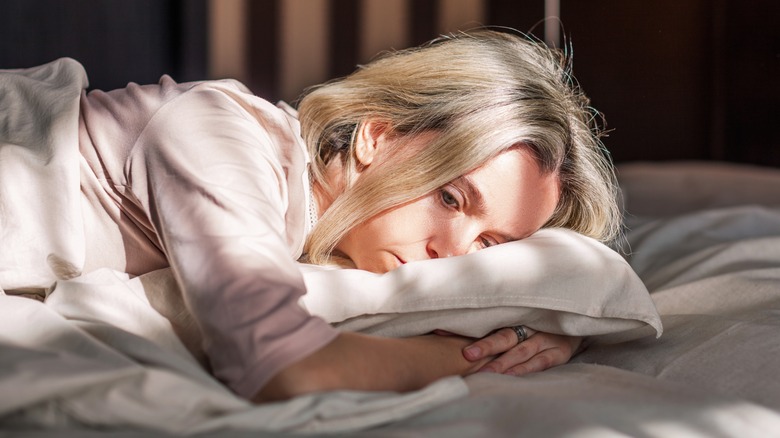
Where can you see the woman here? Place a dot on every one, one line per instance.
(471, 141)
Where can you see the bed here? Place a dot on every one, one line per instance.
(681, 320)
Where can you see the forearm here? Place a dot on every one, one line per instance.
(360, 362)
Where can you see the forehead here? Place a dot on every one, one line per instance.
(514, 198)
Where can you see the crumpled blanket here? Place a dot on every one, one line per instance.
(39, 150)
(96, 353)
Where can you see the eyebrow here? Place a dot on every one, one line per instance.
(474, 195)
(478, 201)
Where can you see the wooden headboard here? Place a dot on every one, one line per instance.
(675, 79)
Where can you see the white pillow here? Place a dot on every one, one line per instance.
(556, 281)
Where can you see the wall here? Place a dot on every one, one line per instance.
(118, 41)
(675, 79)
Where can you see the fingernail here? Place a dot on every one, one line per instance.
(486, 370)
(472, 352)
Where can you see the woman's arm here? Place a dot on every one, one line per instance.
(219, 174)
(361, 362)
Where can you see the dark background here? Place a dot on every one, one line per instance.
(676, 79)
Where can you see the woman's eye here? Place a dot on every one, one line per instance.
(486, 243)
(449, 199)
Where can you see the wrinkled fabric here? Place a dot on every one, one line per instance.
(203, 176)
(554, 281)
(41, 231)
(113, 362)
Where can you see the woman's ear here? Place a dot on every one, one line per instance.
(371, 137)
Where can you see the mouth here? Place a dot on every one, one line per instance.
(400, 260)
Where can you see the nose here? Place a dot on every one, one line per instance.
(449, 243)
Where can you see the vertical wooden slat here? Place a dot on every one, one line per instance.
(752, 69)
(227, 51)
(385, 26)
(424, 20)
(191, 39)
(718, 91)
(263, 48)
(552, 23)
(345, 28)
(303, 57)
(455, 15)
(525, 16)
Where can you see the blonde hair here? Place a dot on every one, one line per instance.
(483, 92)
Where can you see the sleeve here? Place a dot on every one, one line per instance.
(206, 169)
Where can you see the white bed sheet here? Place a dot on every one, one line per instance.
(96, 354)
(97, 360)
(714, 275)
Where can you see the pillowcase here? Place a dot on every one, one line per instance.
(555, 281)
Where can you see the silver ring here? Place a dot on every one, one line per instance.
(521, 333)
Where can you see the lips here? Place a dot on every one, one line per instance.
(400, 260)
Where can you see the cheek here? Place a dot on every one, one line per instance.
(416, 218)
(370, 235)
(403, 224)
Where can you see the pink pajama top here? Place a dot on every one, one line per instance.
(212, 181)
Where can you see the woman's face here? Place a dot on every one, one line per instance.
(506, 199)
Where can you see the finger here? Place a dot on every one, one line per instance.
(443, 333)
(555, 347)
(540, 362)
(529, 333)
(517, 355)
(496, 343)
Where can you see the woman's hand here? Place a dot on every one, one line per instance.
(537, 353)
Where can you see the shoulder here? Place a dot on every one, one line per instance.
(229, 111)
(222, 118)
(226, 97)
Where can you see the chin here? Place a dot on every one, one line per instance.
(378, 261)
(377, 269)
(375, 266)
